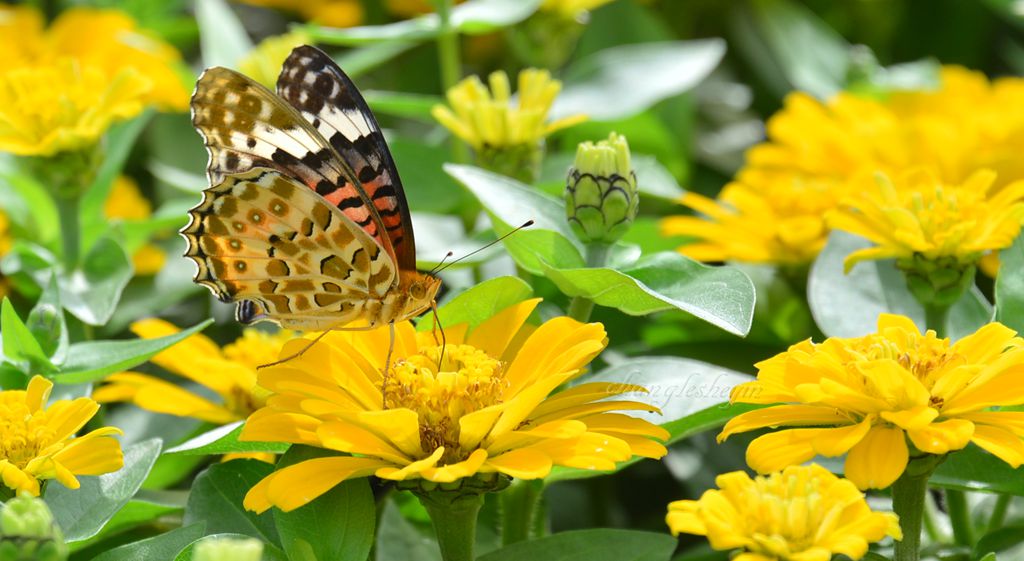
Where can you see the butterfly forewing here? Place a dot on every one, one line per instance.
(312, 83)
(245, 125)
(265, 239)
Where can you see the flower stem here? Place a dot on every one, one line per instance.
(995, 521)
(580, 308)
(908, 502)
(960, 517)
(450, 63)
(935, 318)
(68, 211)
(518, 509)
(454, 516)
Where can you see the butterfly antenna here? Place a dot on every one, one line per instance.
(443, 259)
(439, 327)
(440, 268)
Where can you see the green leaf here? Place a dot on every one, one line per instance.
(721, 296)
(92, 360)
(30, 207)
(439, 234)
(120, 140)
(216, 499)
(510, 203)
(1009, 291)
(590, 545)
(92, 292)
(693, 397)
(222, 38)
(604, 85)
(82, 513)
(402, 104)
(47, 324)
(848, 305)
(435, 190)
(163, 547)
(399, 538)
(480, 302)
(144, 508)
(973, 469)
(346, 513)
(790, 47)
(150, 296)
(475, 17)
(20, 346)
(270, 551)
(224, 440)
(999, 540)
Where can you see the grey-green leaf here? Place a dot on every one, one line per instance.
(20, 346)
(346, 513)
(92, 360)
(92, 291)
(82, 513)
(604, 86)
(162, 547)
(217, 495)
(1009, 291)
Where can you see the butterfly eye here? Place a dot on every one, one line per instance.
(417, 291)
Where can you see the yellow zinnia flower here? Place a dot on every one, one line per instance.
(126, 202)
(802, 513)
(229, 372)
(333, 13)
(774, 212)
(487, 119)
(484, 408)
(917, 215)
(867, 396)
(37, 441)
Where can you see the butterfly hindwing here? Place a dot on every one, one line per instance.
(244, 126)
(267, 241)
(312, 83)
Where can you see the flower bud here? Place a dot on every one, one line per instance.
(228, 549)
(937, 282)
(28, 532)
(601, 197)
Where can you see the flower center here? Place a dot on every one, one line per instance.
(923, 355)
(443, 390)
(787, 515)
(25, 434)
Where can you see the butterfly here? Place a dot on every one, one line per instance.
(305, 222)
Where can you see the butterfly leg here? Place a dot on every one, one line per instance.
(438, 327)
(315, 341)
(387, 366)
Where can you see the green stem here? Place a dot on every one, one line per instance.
(995, 521)
(580, 308)
(519, 505)
(450, 62)
(908, 502)
(960, 517)
(454, 516)
(935, 318)
(68, 211)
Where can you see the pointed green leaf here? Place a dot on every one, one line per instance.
(20, 346)
(224, 440)
(47, 324)
(480, 302)
(92, 360)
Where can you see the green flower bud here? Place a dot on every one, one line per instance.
(520, 162)
(228, 549)
(28, 532)
(601, 198)
(937, 282)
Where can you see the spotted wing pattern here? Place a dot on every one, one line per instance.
(264, 239)
(312, 83)
(244, 126)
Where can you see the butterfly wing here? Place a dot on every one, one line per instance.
(312, 83)
(265, 240)
(244, 125)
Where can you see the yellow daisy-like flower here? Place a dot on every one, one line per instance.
(866, 397)
(485, 408)
(230, 373)
(263, 63)
(803, 513)
(487, 119)
(126, 202)
(917, 215)
(62, 87)
(333, 13)
(774, 212)
(37, 441)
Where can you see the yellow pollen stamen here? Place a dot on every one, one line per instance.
(25, 434)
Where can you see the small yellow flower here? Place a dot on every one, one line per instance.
(774, 211)
(38, 442)
(485, 408)
(866, 397)
(487, 118)
(917, 215)
(126, 202)
(333, 13)
(229, 372)
(803, 513)
(263, 63)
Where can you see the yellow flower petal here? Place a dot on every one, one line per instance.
(878, 460)
(298, 484)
